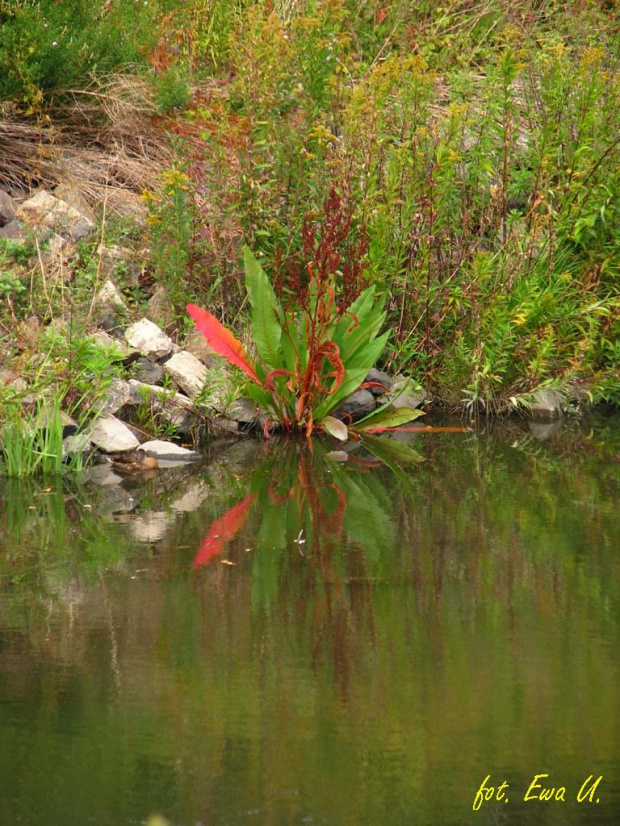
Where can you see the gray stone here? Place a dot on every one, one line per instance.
(115, 260)
(159, 308)
(357, 405)
(168, 454)
(111, 436)
(116, 396)
(77, 443)
(404, 393)
(222, 427)
(45, 211)
(72, 196)
(380, 377)
(115, 348)
(242, 410)
(197, 346)
(547, 405)
(109, 296)
(13, 231)
(7, 208)
(148, 372)
(188, 372)
(149, 339)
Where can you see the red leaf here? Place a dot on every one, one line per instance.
(223, 530)
(222, 340)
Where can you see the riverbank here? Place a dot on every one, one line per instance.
(462, 161)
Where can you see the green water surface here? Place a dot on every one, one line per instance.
(277, 637)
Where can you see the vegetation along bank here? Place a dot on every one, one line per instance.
(450, 170)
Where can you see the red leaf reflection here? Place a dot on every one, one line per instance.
(222, 531)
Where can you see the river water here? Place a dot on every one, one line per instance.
(278, 636)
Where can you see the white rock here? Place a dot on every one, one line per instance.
(188, 372)
(168, 454)
(149, 339)
(109, 296)
(111, 435)
(45, 210)
(547, 405)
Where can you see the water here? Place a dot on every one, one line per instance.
(279, 638)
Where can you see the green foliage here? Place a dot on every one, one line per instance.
(311, 360)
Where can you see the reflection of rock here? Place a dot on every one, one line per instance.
(111, 435)
(168, 454)
(542, 431)
(102, 475)
(151, 526)
(192, 497)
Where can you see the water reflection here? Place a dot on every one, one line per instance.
(384, 639)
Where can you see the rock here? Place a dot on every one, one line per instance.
(77, 443)
(547, 405)
(222, 427)
(72, 196)
(109, 296)
(119, 261)
(116, 396)
(168, 454)
(111, 436)
(45, 211)
(117, 349)
(174, 408)
(127, 204)
(147, 372)
(197, 346)
(7, 209)
(404, 393)
(357, 405)
(188, 372)
(28, 332)
(149, 339)
(380, 377)
(12, 381)
(159, 308)
(13, 231)
(243, 411)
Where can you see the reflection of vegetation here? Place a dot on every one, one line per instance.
(474, 611)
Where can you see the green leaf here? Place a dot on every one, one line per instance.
(384, 417)
(352, 380)
(335, 428)
(266, 312)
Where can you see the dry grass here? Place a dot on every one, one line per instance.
(109, 141)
